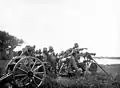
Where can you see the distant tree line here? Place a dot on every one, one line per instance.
(8, 43)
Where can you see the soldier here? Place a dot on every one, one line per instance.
(44, 54)
(37, 53)
(24, 51)
(34, 46)
(51, 51)
(45, 51)
(76, 46)
(33, 49)
(73, 60)
(53, 58)
(61, 54)
(28, 51)
(40, 52)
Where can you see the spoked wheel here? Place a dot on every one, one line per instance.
(29, 71)
(11, 64)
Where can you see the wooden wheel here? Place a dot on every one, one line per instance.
(11, 64)
(29, 71)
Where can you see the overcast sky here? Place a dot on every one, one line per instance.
(94, 24)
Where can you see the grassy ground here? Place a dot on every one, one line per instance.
(101, 80)
(112, 70)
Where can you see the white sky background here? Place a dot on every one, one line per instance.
(94, 24)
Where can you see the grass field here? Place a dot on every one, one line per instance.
(63, 82)
(100, 79)
(113, 69)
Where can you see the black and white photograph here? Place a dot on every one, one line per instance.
(59, 43)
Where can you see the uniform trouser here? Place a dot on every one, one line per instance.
(73, 62)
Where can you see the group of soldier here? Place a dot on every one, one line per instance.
(73, 52)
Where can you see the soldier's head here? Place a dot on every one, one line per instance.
(34, 46)
(44, 49)
(70, 50)
(27, 46)
(67, 51)
(51, 48)
(40, 51)
(37, 51)
(29, 49)
(76, 45)
(25, 49)
(62, 53)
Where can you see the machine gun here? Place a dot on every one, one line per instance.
(93, 62)
(81, 49)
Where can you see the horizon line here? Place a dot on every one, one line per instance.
(106, 57)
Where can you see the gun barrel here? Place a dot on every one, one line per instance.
(83, 49)
(93, 54)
